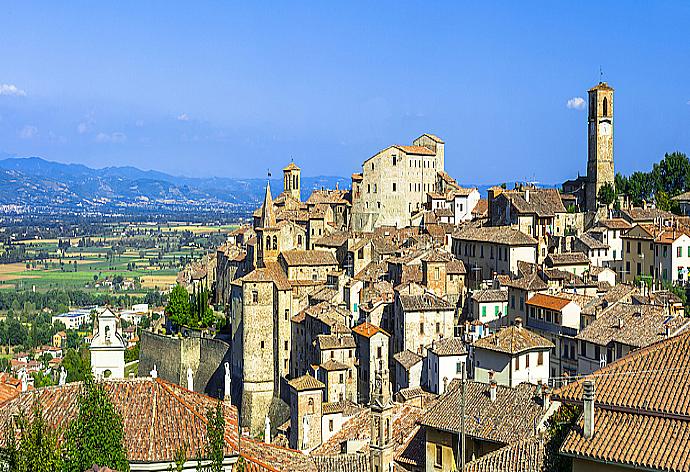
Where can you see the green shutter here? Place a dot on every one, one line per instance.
(484, 311)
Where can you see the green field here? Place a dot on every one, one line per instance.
(123, 253)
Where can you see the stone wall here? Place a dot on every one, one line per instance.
(172, 356)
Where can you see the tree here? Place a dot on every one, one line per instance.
(672, 173)
(215, 438)
(178, 308)
(606, 195)
(31, 445)
(558, 426)
(77, 364)
(96, 435)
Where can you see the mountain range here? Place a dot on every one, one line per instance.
(39, 183)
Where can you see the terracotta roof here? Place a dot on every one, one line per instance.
(308, 258)
(513, 340)
(305, 382)
(367, 330)
(567, 258)
(416, 150)
(159, 418)
(426, 302)
(481, 208)
(437, 255)
(336, 239)
(335, 341)
(407, 358)
(633, 325)
(511, 417)
(449, 347)
(646, 214)
(642, 409)
(592, 243)
(615, 223)
(526, 455)
(544, 202)
(343, 463)
(456, 266)
(332, 365)
(495, 234)
(490, 295)
(549, 302)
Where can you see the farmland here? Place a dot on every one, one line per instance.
(122, 257)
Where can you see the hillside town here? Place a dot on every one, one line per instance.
(409, 323)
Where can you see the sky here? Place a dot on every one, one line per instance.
(236, 89)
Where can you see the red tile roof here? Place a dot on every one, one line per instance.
(367, 330)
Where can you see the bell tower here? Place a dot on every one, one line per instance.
(381, 446)
(600, 142)
(291, 181)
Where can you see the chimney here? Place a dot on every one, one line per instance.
(491, 376)
(527, 195)
(492, 390)
(518, 322)
(621, 323)
(588, 398)
(667, 331)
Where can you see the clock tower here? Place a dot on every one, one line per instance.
(381, 445)
(600, 142)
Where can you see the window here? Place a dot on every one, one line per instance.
(517, 363)
(262, 344)
(255, 296)
(679, 251)
(639, 247)
(421, 328)
(483, 311)
(310, 406)
(330, 425)
(394, 188)
(395, 159)
(268, 243)
(437, 273)
(275, 243)
(379, 352)
(512, 301)
(458, 368)
(527, 360)
(438, 328)
(439, 456)
(540, 358)
(286, 345)
(606, 106)
(522, 303)
(496, 310)
(627, 247)
(287, 313)
(299, 240)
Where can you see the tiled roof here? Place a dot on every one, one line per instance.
(490, 295)
(544, 202)
(337, 239)
(449, 347)
(495, 234)
(642, 409)
(646, 214)
(367, 330)
(632, 325)
(615, 223)
(549, 302)
(343, 463)
(345, 407)
(567, 258)
(481, 208)
(592, 243)
(332, 364)
(335, 341)
(358, 428)
(407, 358)
(159, 418)
(426, 302)
(270, 273)
(456, 266)
(308, 258)
(437, 255)
(305, 382)
(513, 340)
(530, 282)
(511, 417)
(417, 150)
(526, 455)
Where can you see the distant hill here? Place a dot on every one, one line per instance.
(37, 182)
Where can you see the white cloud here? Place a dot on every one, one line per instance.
(28, 132)
(183, 117)
(688, 103)
(115, 137)
(576, 103)
(86, 125)
(11, 89)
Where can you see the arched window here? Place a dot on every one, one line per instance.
(275, 243)
(310, 406)
(299, 240)
(268, 243)
(606, 106)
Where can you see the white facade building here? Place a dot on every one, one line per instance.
(107, 347)
(445, 361)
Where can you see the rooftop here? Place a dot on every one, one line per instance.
(513, 340)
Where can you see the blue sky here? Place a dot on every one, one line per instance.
(236, 88)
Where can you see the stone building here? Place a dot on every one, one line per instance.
(394, 183)
(107, 347)
(372, 349)
(420, 320)
(306, 401)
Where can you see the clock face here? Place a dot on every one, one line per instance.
(605, 128)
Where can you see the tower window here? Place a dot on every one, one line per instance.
(606, 106)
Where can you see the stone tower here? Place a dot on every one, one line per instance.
(306, 400)
(381, 446)
(291, 181)
(268, 242)
(600, 142)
